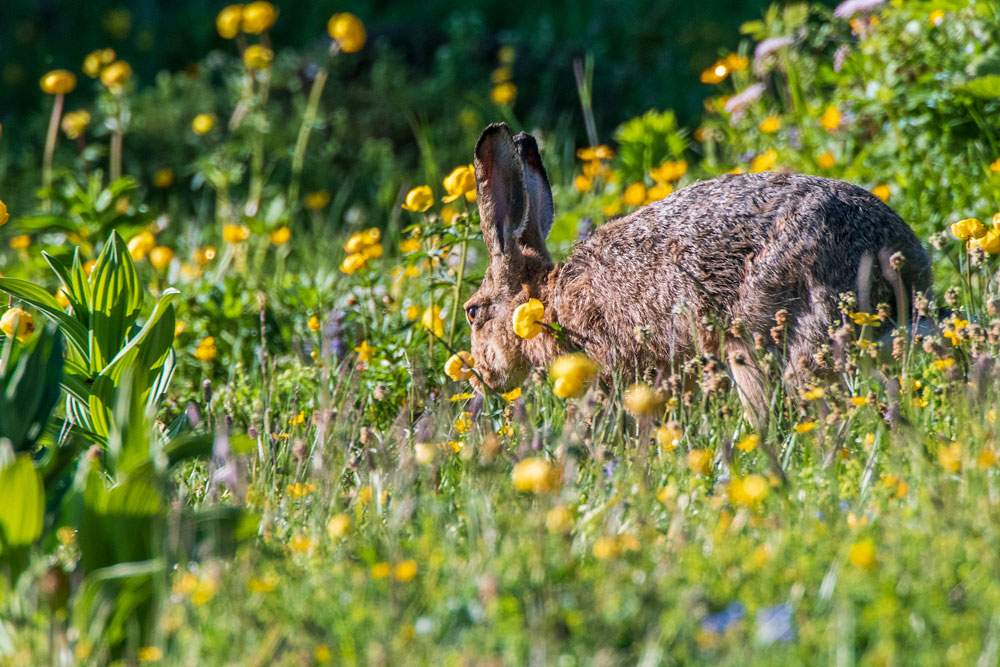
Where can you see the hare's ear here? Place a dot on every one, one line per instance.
(536, 185)
(500, 190)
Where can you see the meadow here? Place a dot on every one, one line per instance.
(236, 427)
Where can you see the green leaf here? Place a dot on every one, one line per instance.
(115, 300)
(22, 503)
(46, 303)
(29, 388)
(985, 87)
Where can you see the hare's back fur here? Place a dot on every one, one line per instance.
(738, 247)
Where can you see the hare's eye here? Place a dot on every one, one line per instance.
(470, 313)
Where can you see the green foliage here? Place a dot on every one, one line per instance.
(29, 387)
(647, 141)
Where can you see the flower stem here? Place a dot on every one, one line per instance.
(460, 278)
(50, 148)
(308, 118)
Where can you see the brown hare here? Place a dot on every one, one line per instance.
(734, 249)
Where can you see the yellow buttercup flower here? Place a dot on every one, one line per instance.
(512, 395)
(161, 256)
(634, 194)
(352, 263)
(20, 242)
(58, 82)
(882, 192)
(669, 171)
(535, 475)
(582, 183)
(764, 162)
(658, 192)
(749, 490)
(700, 461)
(571, 373)
(406, 246)
(406, 571)
(280, 235)
(503, 94)
(813, 394)
(63, 298)
(715, 74)
(459, 366)
(96, 60)
(149, 654)
(203, 123)
(419, 199)
(381, 570)
(206, 349)
(804, 427)
(75, 122)
(234, 234)
(950, 457)
(749, 443)
(826, 160)
(258, 57)
(866, 319)
(592, 153)
(4, 215)
(204, 255)
(527, 318)
(228, 21)
(373, 251)
(316, 200)
(970, 228)
(163, 178)
(862, 554)
(458, 182)
(830, 120)
(667, 438)
(770, 125)
(116, 75)
(935, 18)
(348, 30)
(995, 166)
(641, 400)
(990, 242)
(313, 323)
(338, 526)
(432, 321)
(17, 323)
(257, 17)
(364, 351)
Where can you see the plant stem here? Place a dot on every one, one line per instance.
(308, 118)
(460, 278)
(50, 148)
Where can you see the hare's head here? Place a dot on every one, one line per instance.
(515, 210)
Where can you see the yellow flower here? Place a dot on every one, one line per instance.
(301, 544)
(826, 160)
(813, 394)
(204, 255)
(862, 554)
(20, 242)
(316, 200)
(373, 251)
(323, 653)
(535, 475)
(501, 74)
(512, 395)
(458, 182)
(504, 93)
(419, 199)
(749, 490)
(987, 459)
(17, 323)
(749, 443)
(804, 427)
(882, 192)
(257, 17)
(348, 30)
(943, 364)
(527, 317)
(571, 373)
(75, 122)
(163, 178)
(667, 438)
(432, 321)
(4, 215)
(858, 401)
(700, 461)
(353, 262)
(605, 548)
(235, 233)
(365, 494)
(140, 245)
(950, 457)
(96, 60)
(970, 228)
(592, 153)
(463, 424)
(406, 246)
(280, 235)
(658, 192)
(715, 74)
(990, 242)
(582, 183)
(58, 82)
(735, 62)
(149, 654)
(364, 351)
(295, 421)
(203, 123)
(634, 194)
(258, 57)
(866, 319)
(313, 323)
(228, 21)
(459, 366)
(264, 584)
(63, 299)
(458, 398)
(380, 570)
(406, 570)
(936, 18)
(830, 119)
(559, 519)
(770, 125)
(669, 171)
(764, 161)
(204, 590)
(995, 166)
(612, 209)
(206, 349)
(338, 526)
(116, 75)
(161, 256)
(641, 400)
(179, 327)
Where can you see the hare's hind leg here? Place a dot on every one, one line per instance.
(751, 382)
